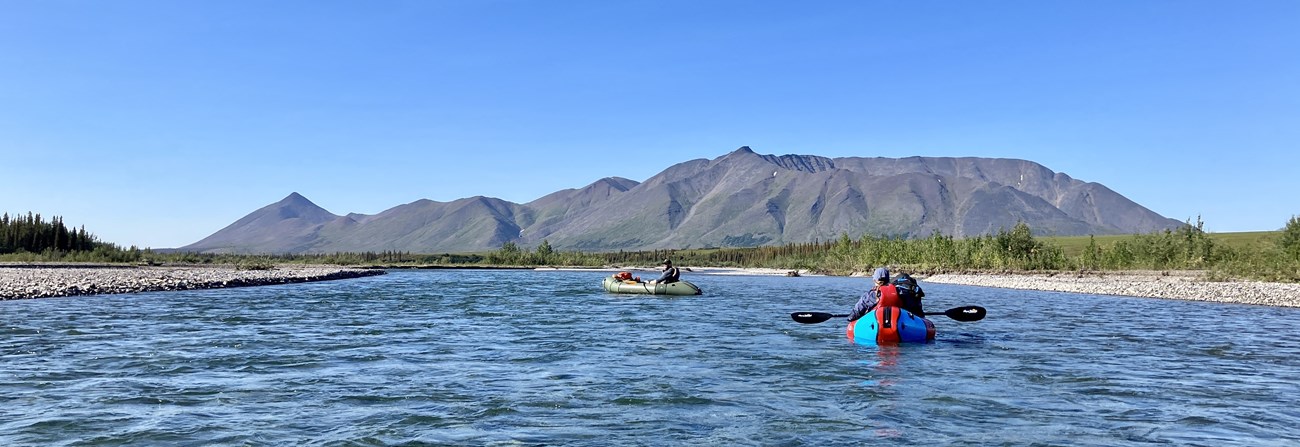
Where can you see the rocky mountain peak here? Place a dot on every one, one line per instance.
(730, 201)
(804, 163)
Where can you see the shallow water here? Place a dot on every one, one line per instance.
(471, 357)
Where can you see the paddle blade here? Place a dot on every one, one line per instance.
(813, 317)
(966, 313)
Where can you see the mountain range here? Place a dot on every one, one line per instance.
(741, 199)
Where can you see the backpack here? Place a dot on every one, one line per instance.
(905, 282)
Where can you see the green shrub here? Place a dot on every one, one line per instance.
(255, 264)
(1290, 241)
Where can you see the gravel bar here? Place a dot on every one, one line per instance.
(1175, 285)
(19, 282)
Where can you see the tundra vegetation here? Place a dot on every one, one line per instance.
(1263, 256)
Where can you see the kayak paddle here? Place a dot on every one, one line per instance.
(964, 313)
(814, 317)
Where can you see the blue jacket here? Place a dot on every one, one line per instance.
(865, 303)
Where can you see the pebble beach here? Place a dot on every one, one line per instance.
(20, 281)
(1167, 285)
(44, 281)
(1176, 285)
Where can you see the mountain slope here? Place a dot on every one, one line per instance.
(739, 199)
(287, 226)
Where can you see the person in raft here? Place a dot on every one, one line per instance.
(883, 293)
(671, 274)
(910, 293)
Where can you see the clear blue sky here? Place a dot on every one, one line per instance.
(157, 123)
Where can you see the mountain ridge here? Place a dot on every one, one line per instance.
(741, 198)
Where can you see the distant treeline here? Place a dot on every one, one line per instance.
(1188, 247)
(33, 234)
(1275, 257)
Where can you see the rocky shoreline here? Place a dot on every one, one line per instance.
(20, 281)
(45, 281)
(1174, 285)
(1166, 285)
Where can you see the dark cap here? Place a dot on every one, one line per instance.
(666, 262)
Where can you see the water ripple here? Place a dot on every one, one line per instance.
(473, 357)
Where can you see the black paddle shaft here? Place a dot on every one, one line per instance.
(964, 313)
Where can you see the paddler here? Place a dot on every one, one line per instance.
(883, 293)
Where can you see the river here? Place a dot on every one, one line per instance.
(486, 357)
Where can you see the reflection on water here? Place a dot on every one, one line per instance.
(881, 366)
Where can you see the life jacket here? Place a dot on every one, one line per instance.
(889, 296)
(623, 276)
(674, 275)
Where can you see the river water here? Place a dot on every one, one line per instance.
(475, 357)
